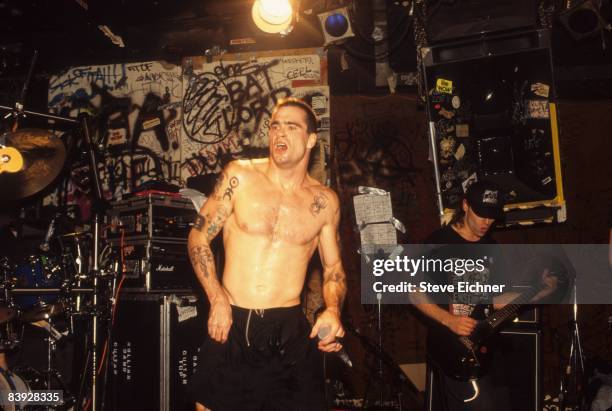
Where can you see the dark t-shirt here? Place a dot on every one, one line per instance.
(447, 235)
(454, 247)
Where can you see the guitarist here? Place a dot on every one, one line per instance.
(481, 206)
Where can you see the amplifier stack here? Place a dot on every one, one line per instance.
(152, 363)
(149, 232)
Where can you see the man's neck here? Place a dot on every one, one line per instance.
(287, 178)
(464, 232)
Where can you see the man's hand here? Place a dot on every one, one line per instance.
(461, 324)
(219, 319)
(329, 319)
(549, 283)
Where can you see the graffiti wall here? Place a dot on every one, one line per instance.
(227, 104)
(136, 114)
(159, 122)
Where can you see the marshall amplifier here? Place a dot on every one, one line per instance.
(151, 216)
(155, 265)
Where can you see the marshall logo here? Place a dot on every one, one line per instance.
(165, 268)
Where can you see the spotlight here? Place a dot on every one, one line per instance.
(583, 20)
(273, 16)
(336, 25)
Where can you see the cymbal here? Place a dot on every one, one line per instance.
(42, 312)
(44, 155)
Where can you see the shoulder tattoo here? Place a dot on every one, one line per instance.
(229, 191)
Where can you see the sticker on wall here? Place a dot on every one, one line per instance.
(447, 146)
(540, 89)
(116, 137)
(537, 109)
(462, 130)
(302, 70)
(468, 182)
(460, 153)
(456, 102)
(154, 122)
(319, 105)
(444, 86)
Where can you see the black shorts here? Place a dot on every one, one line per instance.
(267, 363)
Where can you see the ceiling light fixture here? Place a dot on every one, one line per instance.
(273, 16)
(336, 25)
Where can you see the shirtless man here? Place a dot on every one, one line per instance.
(273, 216)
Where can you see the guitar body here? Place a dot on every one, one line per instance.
(462, 358)
(11, 160)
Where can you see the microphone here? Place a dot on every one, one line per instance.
(44, 246)
(323, 332)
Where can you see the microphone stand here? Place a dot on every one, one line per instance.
(399, 381)
(570, 391)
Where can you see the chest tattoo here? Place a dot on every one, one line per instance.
(319, 203)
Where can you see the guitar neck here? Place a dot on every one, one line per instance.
(511, 308)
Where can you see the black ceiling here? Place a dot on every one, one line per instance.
(67, 34)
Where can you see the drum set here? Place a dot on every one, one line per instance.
(56, 286)
(51, 291)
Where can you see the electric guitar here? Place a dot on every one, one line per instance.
(465, 357)
(11, 160)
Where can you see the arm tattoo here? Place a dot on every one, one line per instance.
(334, 277)
(201, 258)
(229, 191)
(318, 204)
(199, 222)
(218, 187)
(216, 224)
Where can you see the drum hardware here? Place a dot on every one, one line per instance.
(11, 381)
(44, 156)
(37, 380)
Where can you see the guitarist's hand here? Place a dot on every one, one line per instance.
(549, 284)
(461, 325)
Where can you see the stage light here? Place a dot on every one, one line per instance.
(336, 25)
(273, 16)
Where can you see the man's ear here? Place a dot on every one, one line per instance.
(312, 140)
(464, 205)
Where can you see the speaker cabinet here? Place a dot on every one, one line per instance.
(154, 352)
(452, 20)
(519, 369)
(492, 116)
(521, 352)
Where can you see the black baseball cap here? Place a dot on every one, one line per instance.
(486, 199)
